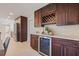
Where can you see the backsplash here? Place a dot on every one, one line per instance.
(67, 30)
(38, 30)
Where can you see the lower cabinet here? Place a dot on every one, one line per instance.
(65, 47)
(60, 46)
(71, 51)
(34, 42)
(57, 49)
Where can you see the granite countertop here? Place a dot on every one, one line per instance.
(59, 36)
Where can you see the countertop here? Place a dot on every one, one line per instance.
(59, 36)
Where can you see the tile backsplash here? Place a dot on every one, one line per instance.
(68, 30)
(38, 30)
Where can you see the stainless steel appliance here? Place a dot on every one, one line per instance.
(44, 45)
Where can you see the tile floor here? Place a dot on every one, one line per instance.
(20, 49)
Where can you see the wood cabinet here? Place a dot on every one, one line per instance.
(73, 13)
(48, 14)
(34, 42)
(48, 9)
(37, 18)
(71, 51)
(61, 14)
(65, 47)
(57, 49)
(45, 15)
(58, 13)
(60, 46)
(67, 14)
(21, 24)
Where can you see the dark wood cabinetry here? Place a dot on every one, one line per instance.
(57, 49)
(70, 51)
(67, 14)
(37, 18)
(45, 15)
(73, 13)
(34, 42)
(60, 46)
(48, 14)
(21, 24)
(65, 47)
(61, 14)
(48, 9)
(58, 13)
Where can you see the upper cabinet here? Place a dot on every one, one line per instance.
(48, 14)
(73, 14)
(37, 18)
(45, 15)
(67, 14)
(48, 9)
(59, 14)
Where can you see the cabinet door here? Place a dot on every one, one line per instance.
(34, 42)
(57, 49)
(37, 19)
(65, 47)
(73, 13)
(23, 28)
(67, 14)
(71, 51)
(61, 13)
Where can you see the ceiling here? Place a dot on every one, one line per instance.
(13, 10)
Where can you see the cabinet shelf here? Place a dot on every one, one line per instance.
(49, 19)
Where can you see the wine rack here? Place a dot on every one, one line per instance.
(49, 19)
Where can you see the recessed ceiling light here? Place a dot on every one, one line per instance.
(11, 13)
